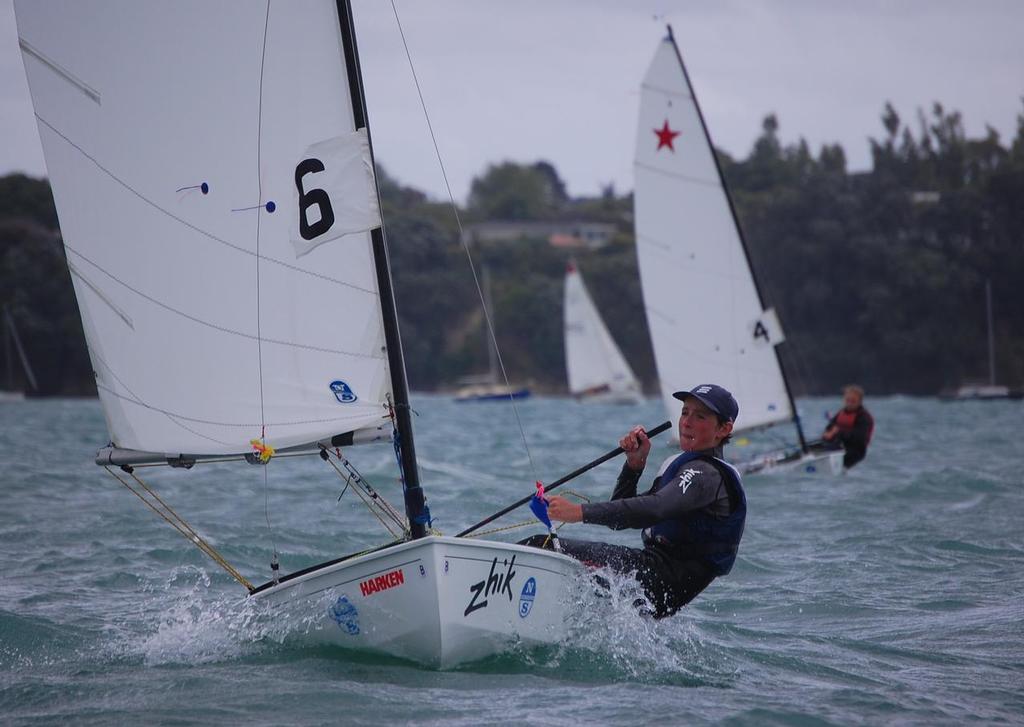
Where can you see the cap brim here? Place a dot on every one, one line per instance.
(682, 396)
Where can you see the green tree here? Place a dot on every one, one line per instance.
(512, 191)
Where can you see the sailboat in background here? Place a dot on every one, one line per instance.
(489, 386)
(12, 343)
(707, 319)
(596, 369)
(214, 180)
(990, 390)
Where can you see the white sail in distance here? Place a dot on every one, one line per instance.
(188, 176)
(594, 364)
(706, 318)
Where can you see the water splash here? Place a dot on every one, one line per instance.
(186, 621)
(609, 638)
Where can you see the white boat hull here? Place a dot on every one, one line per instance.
(611, 396)
(440, 601)
(821, 462)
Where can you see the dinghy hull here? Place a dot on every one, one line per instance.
(823, 462)
(439, 601)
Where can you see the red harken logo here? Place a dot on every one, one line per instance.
(665, 137)
(382, 583)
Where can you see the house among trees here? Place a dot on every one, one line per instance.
(575, 234)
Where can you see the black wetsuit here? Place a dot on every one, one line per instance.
(855, 430)
(669, 577)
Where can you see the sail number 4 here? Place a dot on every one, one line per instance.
(766, 329)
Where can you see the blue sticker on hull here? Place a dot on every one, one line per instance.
(527, 596)
(344, 613)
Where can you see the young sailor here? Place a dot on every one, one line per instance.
(852, 426)
(692, 517)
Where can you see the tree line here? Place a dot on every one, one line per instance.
(878, 276)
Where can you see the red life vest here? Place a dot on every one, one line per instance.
(846, 420)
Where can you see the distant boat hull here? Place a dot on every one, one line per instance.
(608, 395)
(821, 462)
(982, 392)
(439, 601)
(491, 393)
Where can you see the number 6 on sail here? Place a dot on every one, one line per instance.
(335, 191)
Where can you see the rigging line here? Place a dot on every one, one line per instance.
(179, 524)
(186, 223)
(259, 311)
(360, 482)
(370, 504)
(525, 523)
(465, 245)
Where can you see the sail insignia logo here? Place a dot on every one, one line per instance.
(527, 597)
(343, 392)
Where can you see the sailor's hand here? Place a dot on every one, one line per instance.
(564, 511)
(637, 446)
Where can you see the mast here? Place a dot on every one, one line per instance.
(12, 335)
(492, 354)
(739, 231)
(414, 500)
(991, 335)
(7, 349)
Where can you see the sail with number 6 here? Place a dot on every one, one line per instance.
(212, 169)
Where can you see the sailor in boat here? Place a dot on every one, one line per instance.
(852, 427)
(692, 517)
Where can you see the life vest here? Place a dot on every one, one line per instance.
(847, 420)
(699, 534)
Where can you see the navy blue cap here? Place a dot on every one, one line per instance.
(715, 398)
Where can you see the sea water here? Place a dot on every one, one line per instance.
(891, 594)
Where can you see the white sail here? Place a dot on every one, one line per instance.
(221, 223)
(706, 318)
(177, 138)
(595, 366)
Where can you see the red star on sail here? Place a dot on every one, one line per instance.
(665, 137)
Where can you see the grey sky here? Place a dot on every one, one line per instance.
(558, 80)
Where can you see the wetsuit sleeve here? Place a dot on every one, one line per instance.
(697, 486)
(625, 486)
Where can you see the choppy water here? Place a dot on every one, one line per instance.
(890, 595)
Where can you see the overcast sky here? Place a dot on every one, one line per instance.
(524, 80)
